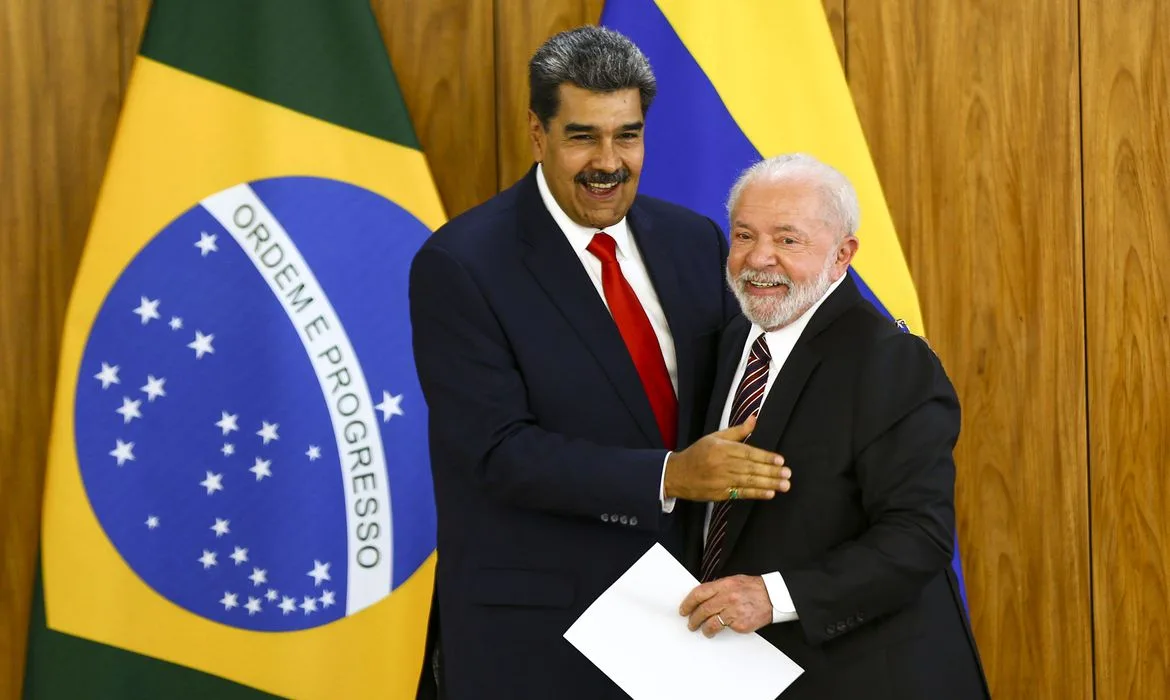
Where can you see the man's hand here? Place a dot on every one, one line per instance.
(738, 602)
(709, 469)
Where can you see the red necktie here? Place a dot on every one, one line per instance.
(749, 397)
(639, 336)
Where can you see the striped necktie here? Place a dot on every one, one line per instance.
(748, 399)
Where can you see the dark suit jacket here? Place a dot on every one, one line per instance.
(866, 418)
(544, 449)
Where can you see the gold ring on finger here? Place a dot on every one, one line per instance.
(733, 493)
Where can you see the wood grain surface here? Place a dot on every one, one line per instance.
(971, 110)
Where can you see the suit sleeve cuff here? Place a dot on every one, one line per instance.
(667, 503)
(783, 610)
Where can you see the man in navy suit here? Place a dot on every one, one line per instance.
(565, 334)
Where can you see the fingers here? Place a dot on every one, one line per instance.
(712, 626)
(706, 612)
(756, 457)
(739, 433)
(697, 596)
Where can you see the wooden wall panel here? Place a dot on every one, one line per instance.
(443, 59)
(977, 147)
(835, 11)
(132, 16)
(59, 98)
(521, 27)
(1125, 75)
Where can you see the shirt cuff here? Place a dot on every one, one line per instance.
(783, 610)
(667, 503)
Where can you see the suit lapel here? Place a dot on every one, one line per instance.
(785, 392)
(558, 270)
(730, 350)
(773, 418)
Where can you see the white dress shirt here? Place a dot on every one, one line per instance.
(634, 270)
(780, 344)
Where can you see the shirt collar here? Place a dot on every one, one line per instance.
(579, 236)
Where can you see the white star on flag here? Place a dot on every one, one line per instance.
(207, 560)
(228, 601)
(152, 521)
(221, 527)
(227, 422)
(268, 431)
(309, 605)
(129, 409)
(154, 388)
(390, 406)
(260, 468)
(260, 576)
(253, 605)
(287, 604)
(206, 243)
(176, 323)
(240, 555)
(327, 598)
(213, 483)
(314, 453)
(228, 449)
(147, 310)
(108, 376)
(319, 573)
(271, 595)
(123, 452)
(202, 344)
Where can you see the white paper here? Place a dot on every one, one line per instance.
(634, 634)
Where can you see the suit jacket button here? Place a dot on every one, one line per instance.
(605, 517)
(841, 627)
(830, 630)
(625, 519)
(633, 520)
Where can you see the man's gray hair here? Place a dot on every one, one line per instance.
(840, 199)
(590, 57)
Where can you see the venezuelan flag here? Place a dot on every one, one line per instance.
(738, 83)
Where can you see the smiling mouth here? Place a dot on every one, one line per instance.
(600, 190)
(765, 285)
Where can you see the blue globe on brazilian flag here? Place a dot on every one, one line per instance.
(238, 499)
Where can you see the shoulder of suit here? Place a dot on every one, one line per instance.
(480, 228)
(662, 209)
(865, 327)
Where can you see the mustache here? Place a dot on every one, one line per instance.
(600, 177)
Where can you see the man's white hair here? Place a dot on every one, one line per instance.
(840, 199)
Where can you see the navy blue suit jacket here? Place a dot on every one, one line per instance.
(544, 450)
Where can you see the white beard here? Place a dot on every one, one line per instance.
(771, 313)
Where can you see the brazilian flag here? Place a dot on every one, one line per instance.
(238, 499)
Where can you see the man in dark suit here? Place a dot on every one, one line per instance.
(565, 334)
(849, 572)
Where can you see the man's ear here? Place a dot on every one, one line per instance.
(538, 137)
(846, 249)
